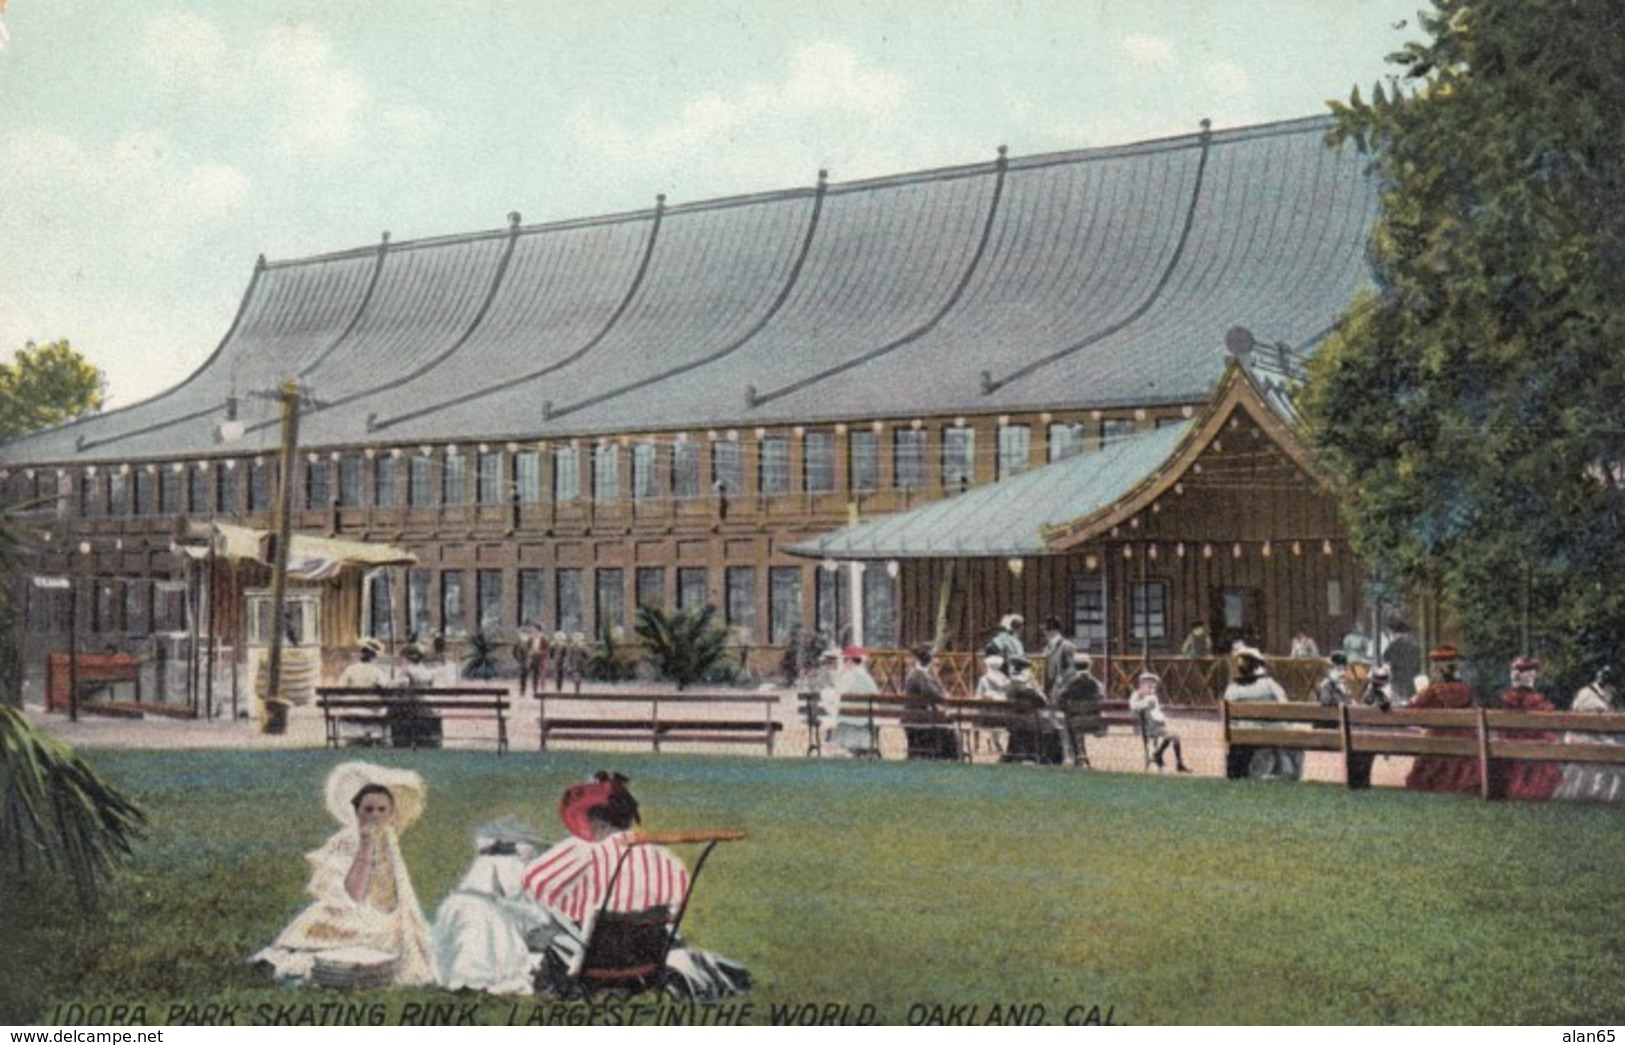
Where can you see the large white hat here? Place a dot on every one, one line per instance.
(405, 786)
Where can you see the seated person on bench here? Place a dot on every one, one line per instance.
(572, 880)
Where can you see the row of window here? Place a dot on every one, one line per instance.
(455, 602)
(607, 471)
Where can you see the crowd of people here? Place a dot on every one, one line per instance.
(519, 920)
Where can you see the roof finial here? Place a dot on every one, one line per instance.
(660, 202)
(823, 177)
(384, 241)
(259, 263)
(750, 397)
(513, 220)
(1207, 127)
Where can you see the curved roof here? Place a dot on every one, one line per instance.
(1099, 278)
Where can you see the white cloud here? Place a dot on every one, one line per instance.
(317, 103)
(214, 190)
(1226, 77)
(825, 79)
(46, 156)
(1146, 51)
(186, 51)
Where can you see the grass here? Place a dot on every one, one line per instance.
(909, 886)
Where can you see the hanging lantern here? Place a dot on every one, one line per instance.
(1207, 551)
(1090, 562)
(1179, 549)
(1151, 553)
(1297, 548)
(1235, 552)
(1266, 549)
(1325, 547)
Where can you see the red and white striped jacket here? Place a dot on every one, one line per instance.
(572, 877)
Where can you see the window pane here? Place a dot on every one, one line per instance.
(606, 472)
(685, 470)
(784, 607)
(417, 603)
(169, 491)
(879, 606)
(87, 494)
(830, 591)
(259, 486)
(1113, 430)
(818, 462)
(692, 589)
(530, 596)
(908, 458)
(141, 483)
(527, 475)
(488, 479)
(611, 599)
(350, 481)
(865, 460)
(318, 483)
(1065, 440)
(645, 474)
(775, 469)
(651, 581)
(454, 481)
(568, 590)
(453, 621)
(197, 491)
(490, 596)
(566, 474)
(417, 482)
(225, 488)
(726, 474)
(117, 486)
(958, 458)
(1148, 609)
(383, 481)
(1014, 445)
(380, 604)
(740, 605)
(1089, 612)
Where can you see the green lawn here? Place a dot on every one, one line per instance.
(910, 887)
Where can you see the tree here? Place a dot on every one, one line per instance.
(1473, 403)
(46, 386)
(56, 814)
(685, 644)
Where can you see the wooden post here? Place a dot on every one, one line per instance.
(1344, 741)
(1483, 755)
(284, 536)
(943, 592)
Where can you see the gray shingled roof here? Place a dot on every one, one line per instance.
(1101, 278)
(1005, 519)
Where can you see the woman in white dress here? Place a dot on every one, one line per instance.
(479, 930)
(852, 735)
(1253, 684)
(365, 910)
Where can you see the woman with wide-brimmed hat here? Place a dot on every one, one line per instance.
(1252, 684)
(366, 914)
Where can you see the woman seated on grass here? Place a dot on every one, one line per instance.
(365, 910)
(598, 869)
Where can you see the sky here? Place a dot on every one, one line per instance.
(150, 151)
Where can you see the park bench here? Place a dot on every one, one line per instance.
(658, 718)
(383, 708)
(1483, 734)
(966, 717)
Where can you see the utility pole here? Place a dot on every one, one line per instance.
(289, 397)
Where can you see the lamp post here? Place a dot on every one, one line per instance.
(289, 398)
(73, 633)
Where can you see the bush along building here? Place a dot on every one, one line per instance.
(724, 402)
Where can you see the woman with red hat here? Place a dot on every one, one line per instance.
(1524, 781)
(603, 866)
(1444, 773)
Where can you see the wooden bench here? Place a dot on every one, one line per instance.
(643, 719)
(380, 707)
(1482, 734)
(967, 716)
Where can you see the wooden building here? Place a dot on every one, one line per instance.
(559, 421)
(1223, 521)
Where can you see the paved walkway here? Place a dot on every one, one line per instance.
(1118, 752)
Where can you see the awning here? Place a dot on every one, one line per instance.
(1007, 518)
(310, 558)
